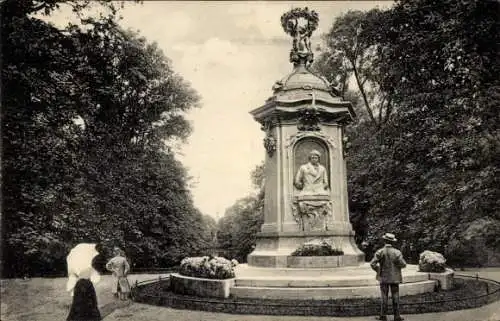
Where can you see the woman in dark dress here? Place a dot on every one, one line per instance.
(84, 306)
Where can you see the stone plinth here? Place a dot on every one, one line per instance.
(445, 279)
(321, 283)
(322, 261)
(200, 287)
(273, 249)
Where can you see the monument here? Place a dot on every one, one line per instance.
(306, 190)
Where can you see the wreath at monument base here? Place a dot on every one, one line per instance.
(317, 248)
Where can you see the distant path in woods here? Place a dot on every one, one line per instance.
(45, 299)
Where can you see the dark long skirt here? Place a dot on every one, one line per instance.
(84, 306)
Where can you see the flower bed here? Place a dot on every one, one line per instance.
(317, 248)
(208, 267)
(205, 276)
(431, 262)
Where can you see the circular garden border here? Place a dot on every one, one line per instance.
(484, 291)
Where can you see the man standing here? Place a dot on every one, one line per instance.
(120, 268)
(388, 262)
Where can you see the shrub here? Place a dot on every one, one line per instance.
(208, 267)
(431, 262)
(317, 248)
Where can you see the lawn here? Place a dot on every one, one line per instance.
(45, 299)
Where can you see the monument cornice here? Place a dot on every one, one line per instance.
(342, 228)
(338, 113)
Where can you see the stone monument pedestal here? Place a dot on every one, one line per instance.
(321, 283)
(274, 249)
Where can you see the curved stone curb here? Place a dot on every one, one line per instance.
(348, 307)
(182, 284)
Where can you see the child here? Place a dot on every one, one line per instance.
(84, 305)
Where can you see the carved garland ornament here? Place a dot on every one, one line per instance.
(270, 143)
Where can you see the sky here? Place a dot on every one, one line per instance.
(231, 52)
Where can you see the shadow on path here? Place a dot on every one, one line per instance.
(110, 307)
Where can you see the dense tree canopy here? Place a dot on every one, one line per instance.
(88, 115)
(433, 177)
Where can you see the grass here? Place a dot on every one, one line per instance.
(46, 299)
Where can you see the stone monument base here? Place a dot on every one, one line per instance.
(274, 249)
(321, 283)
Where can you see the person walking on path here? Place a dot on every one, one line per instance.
(84, 305)
(120, 268)
(388, 262)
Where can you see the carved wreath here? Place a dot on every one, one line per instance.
(289, 20)
(308, 119)
(270, 145)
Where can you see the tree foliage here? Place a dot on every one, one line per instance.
(87, 117)
(434, 174)
(351, 57)
(238, 228)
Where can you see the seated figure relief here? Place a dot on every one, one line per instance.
(312, 177)
(312, 206)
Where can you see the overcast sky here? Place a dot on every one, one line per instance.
(231, 52)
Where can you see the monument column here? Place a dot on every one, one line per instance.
(273, 175)
(305, 176)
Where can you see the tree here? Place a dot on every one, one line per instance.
(238, 229)
(434, 175)
(38, 133)
(353, 55)
(447, 134)
(87, 119)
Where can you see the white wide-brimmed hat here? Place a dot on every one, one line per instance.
(389, 237)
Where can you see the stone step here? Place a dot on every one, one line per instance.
(363, 270)
(327, 293)
(273, 259)
(326, 281)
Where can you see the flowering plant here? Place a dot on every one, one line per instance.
(317, 248)
(431, 262)
(208, 267)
